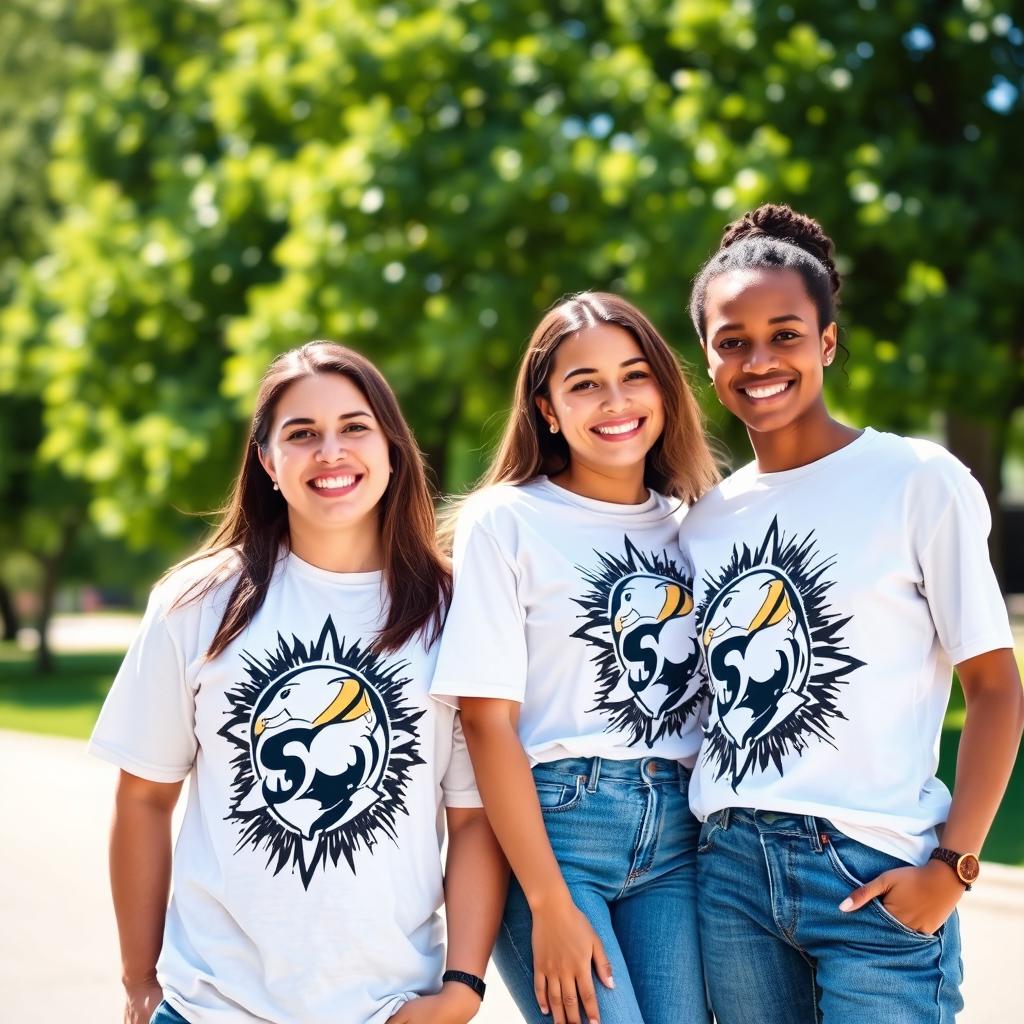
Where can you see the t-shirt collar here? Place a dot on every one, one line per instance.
(602, 507)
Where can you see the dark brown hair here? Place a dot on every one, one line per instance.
(254, 527)
(680, 463)
(773, 236)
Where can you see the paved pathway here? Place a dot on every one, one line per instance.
(58, 949)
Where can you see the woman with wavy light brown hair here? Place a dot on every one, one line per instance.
(285, 671)
(570, 646)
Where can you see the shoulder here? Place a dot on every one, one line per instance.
(928, 467)
(713, 501)
(205, 580)
(498, 506)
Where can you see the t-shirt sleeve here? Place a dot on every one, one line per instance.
(147, 724)
(957, 579)
(459, 783)
(483, 647)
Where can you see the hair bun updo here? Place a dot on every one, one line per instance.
(773, 237)
(777, 220)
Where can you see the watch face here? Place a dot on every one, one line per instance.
(968, 868)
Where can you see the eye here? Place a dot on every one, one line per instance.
(729, 343)
(300, 435)
(286, 692)
(786, 335)
(637, 375)
(583, 385)
(355, 428)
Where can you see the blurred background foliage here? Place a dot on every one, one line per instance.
(188, 188)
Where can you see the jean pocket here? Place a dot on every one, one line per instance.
(684, 781)
(870, 863)
(555, 797)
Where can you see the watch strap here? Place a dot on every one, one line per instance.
(953, 859)
(476, 984)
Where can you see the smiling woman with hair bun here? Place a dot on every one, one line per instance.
(840, 577)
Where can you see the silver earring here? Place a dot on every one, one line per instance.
(711, 375)
(276, 488)
(554, 428)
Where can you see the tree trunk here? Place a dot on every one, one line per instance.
(981, 447)
(52, 565)
(8, 613)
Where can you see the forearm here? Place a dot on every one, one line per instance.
(988, 748)
(506, 784)
(476, 881)
(140, 878)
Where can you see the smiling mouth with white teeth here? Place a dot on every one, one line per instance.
(759, 392)
(330, 485)
(619, 430)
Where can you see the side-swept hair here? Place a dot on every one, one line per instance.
(680, 463)
(254, 527)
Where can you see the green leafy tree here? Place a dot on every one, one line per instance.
(421, 180)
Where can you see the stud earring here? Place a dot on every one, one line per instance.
(276, 488)
(554, 428)
(711, 376)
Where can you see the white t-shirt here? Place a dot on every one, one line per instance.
(307, 874)
(579, 609)
(832, 602)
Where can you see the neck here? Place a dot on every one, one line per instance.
(619, 486)
(355, 548)
(807, 439)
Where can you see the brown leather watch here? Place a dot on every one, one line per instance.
(965, 865)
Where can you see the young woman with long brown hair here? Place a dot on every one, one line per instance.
(571, 647)
(285, 670)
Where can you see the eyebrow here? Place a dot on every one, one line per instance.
(590, 369)
(773, 320)
(305, 420)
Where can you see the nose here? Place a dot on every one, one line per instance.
(614, 398)
(760, 359)
(331, 449)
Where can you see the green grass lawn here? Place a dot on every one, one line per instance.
(64, 704)
(67, 703)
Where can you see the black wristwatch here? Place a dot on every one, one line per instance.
(475, 983)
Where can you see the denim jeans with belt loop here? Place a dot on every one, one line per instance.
(625, 841)
(777, 948)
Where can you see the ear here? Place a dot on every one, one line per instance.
(829, 342)
(547, 410)
(265, 461)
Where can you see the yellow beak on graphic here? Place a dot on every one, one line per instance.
(708, 634)
(774, 608)
(261, 724)
(351, 703)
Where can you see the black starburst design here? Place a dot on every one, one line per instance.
(624, 713)
(830, 664)
(261, 829)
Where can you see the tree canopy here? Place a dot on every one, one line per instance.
(422, 179)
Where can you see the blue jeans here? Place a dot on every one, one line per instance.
(778, 950)
(166, 1015)
(626, 842)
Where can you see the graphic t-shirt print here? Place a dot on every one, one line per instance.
(639, 618)
(774, 654)
(325, 746)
